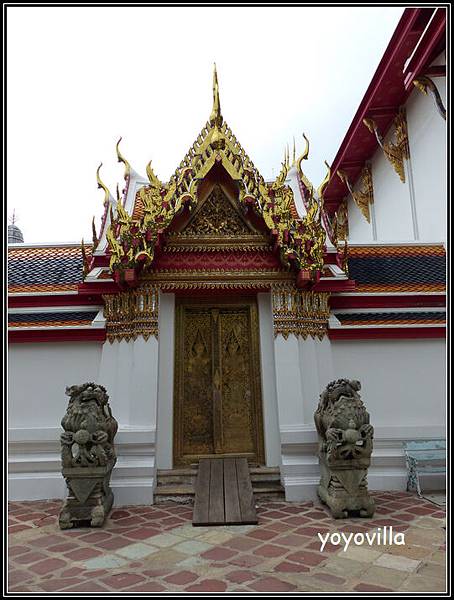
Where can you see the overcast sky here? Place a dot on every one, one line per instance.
(79, 78)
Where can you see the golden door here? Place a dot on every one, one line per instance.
(217, 408)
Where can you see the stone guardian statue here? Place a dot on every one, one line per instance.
(87, 455)
(345, 447)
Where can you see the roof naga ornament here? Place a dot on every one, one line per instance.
(101, 185)
(363, 197)
(397, 151)
(424, 83)
(122, 159)
(304, 156)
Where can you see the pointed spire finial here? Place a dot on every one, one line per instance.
(294, 152)
(216, 117)
(103, 186)
(324, 183)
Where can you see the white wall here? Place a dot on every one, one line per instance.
(403, 381)
(37, 378)
(403, 388)
(359, 230)
(427, 139)
(38, 375)
(392, 207)
(391, 218)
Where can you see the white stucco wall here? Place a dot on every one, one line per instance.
(359, 230)
(427, 139)
(38, 375)
(403, 381)
(403, 388)
(392, 206)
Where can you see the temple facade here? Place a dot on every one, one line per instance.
(217, 306)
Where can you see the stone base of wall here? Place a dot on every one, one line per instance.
(34, 465)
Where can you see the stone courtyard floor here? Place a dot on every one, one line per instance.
(156, 549)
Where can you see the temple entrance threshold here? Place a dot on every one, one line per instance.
(224, 493)
(217, 402)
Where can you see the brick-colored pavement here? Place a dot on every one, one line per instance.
(156, 549)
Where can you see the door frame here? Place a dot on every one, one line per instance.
(254, 336)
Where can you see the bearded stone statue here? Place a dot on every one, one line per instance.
(345, 447)
(88, 455)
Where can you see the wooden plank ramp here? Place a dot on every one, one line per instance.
(223, 493)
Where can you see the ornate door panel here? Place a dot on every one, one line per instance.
(217, 383)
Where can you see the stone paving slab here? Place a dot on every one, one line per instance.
(156, 549)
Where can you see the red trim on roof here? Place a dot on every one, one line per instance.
(424, 52)
(60, 300)
(334, 285)
(388, 301)
(388, 333)
(57, 335)
(96, 289)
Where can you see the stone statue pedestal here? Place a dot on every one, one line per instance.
(89, 496)
(343, 488)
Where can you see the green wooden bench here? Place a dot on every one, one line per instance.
(428, 456)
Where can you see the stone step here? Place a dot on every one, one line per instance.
(177, 477)
(176, 480)
(270, 470)
(261, 489)
(265, 476)
(184, 472)
(177, 485)
(174, 490)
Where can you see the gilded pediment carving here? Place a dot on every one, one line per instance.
(217, 217)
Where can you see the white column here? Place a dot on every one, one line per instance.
(316, 367)
(144, 391)
(304, 367)
(166, 358)
(108, 375)
(325, 368)
(123, 396)
(129, 372)
(268, 373)
(288, 381)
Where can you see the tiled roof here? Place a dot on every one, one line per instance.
(398, 268)
(51, 319)
(392, 318)
(44, 268)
